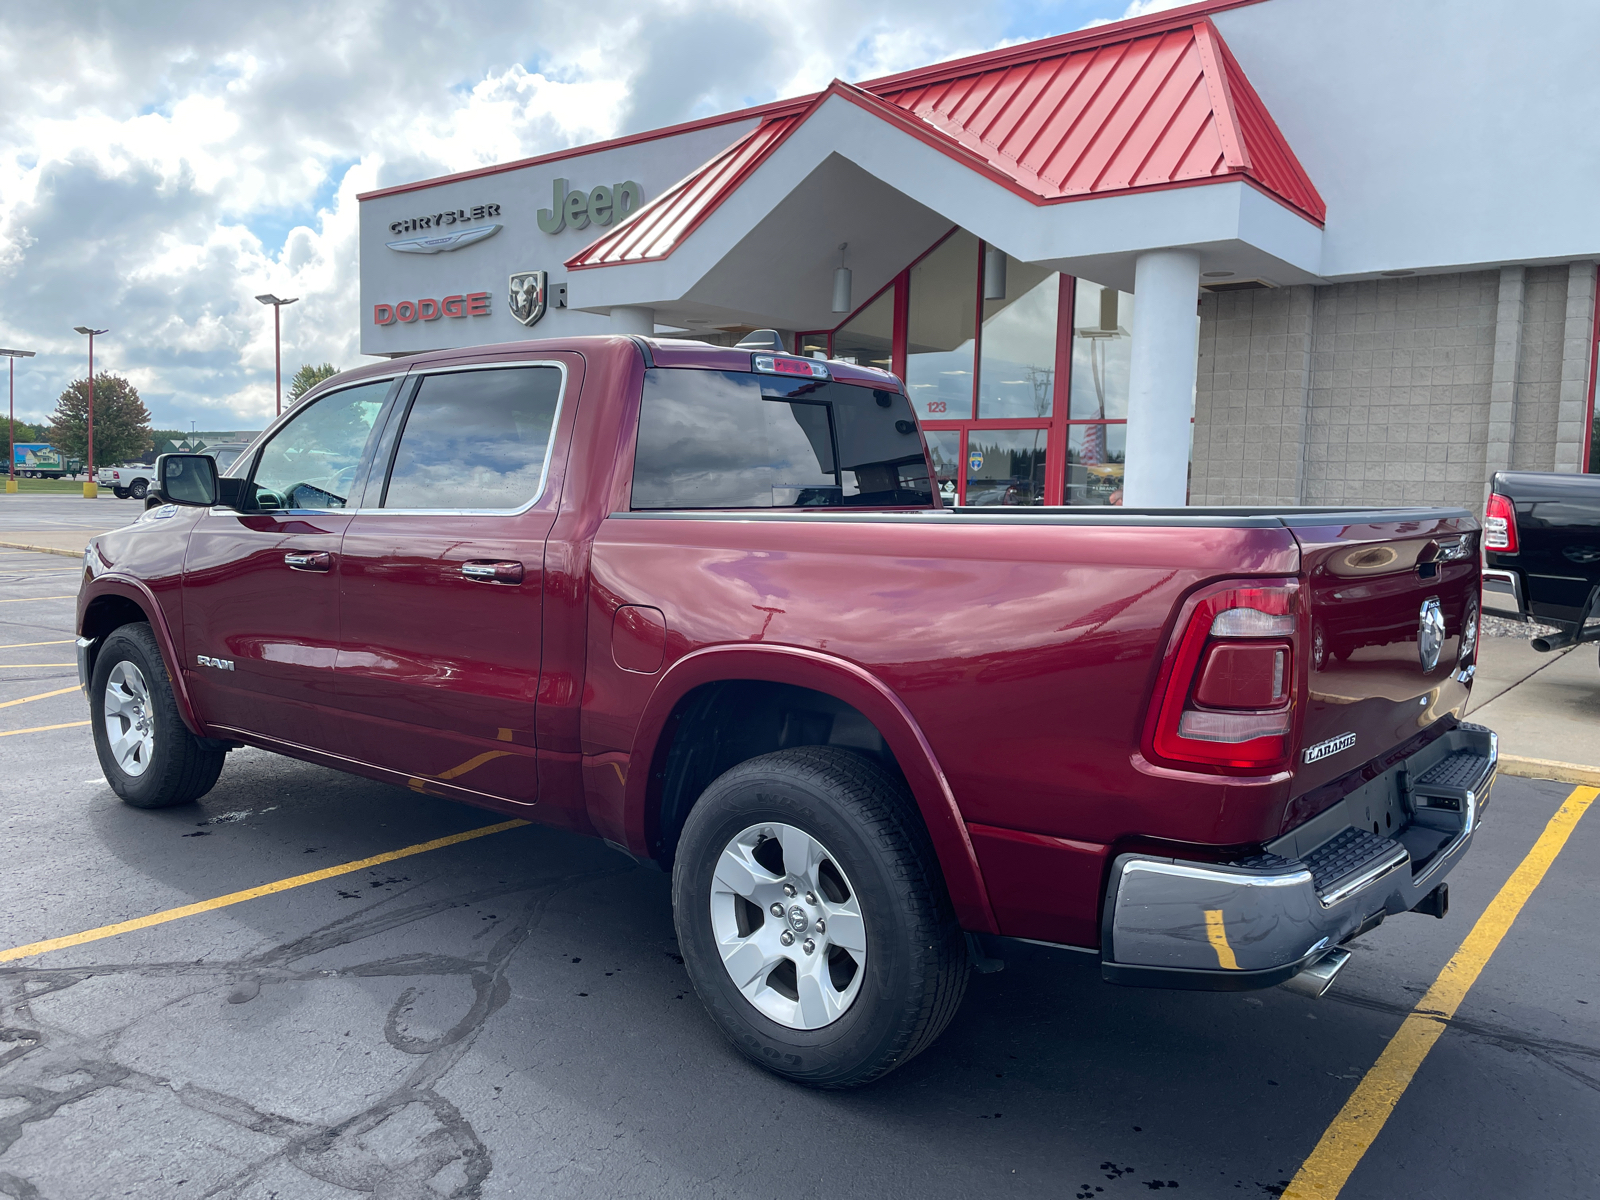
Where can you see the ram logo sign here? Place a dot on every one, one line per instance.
(221, 664)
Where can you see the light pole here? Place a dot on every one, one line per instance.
(277, 337)
(11, 357)
(90, 490)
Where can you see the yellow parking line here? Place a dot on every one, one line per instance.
(22, 645)
(266, 889)
(40, 696)
(26, 599)
(1323, 1175)
(43, 728)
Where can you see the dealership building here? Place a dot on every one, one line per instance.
(1243, 252)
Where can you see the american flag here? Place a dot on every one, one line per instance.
(1093, 451)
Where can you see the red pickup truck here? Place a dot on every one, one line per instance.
(703, 603)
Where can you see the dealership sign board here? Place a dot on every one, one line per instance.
(438, 233)
(471, 304)
(601, 205)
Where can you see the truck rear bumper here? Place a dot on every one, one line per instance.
(1502, 595)
(1259, 922)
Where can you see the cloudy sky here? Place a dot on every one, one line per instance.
(161, 163)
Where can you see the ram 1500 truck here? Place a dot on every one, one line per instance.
(1541, 553)
(703, 603)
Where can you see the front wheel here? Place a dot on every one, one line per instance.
(148, 755)
(139, 488)
(812, 917)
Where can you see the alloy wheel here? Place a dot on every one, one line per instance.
(788, 926)
(130, 718)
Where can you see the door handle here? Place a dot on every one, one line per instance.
(313, 560)
(493, 572)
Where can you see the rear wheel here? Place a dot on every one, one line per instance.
(148, 755)
(121, 493)
(812, 917)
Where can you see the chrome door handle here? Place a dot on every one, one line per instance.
(315, 560)
(493, 572)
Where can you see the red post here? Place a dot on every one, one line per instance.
(11, 389)
(91, 409)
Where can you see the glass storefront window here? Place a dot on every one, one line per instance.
(1017, 365)
(811, 344)
(1006, 466)
(945, 447)
(867, 339)
(1101, 352)
(939, 333)
(1095, 458)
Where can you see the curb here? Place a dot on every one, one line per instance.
(1545, 768)
(41, 549)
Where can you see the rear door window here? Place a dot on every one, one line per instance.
(476, 440)
(731, 439)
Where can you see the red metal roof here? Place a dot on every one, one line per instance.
(1144, 106)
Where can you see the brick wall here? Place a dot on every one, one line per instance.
(1392, 408)
(1250, 397)
(1544, 315)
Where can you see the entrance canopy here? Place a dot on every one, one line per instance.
(1078, 153)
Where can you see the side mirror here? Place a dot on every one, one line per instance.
(187, 479)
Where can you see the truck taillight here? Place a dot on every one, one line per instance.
(1500, 525)
(1225, 698)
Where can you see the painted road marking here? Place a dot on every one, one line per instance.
(25, 666)
(43, 728)
(40, 696)
(27, 599)
(1324, 1174)
(21, 645)
(266, 889)
(1217, 935)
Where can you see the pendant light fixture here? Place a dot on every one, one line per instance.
(994, 273)
(841, 283)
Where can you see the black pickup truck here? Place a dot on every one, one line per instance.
(1541, 551)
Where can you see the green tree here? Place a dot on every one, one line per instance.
(121, 421)
(307, 377)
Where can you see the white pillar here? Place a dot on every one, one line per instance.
(1161, 375)
(631, 319)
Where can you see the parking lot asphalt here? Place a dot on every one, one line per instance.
(508, 1016)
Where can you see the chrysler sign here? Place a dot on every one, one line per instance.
(438, 231)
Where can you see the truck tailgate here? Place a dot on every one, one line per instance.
(1392, 623)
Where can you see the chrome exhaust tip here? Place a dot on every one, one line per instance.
(1316, 979)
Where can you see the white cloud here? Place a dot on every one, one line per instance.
(162, 164)
(1138, 8)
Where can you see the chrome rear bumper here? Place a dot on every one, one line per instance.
(1256, 923)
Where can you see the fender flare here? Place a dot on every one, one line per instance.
(136, 590)
(855, 686)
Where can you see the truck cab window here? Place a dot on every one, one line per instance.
(476, 440)
(727, 439)
(311, 462)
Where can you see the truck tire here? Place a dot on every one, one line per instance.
(121, 493)
(138, 489)
(886, 966)
(148, 755)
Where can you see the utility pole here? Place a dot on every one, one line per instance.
(11, 357)
(277, 338)
(90, 489)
